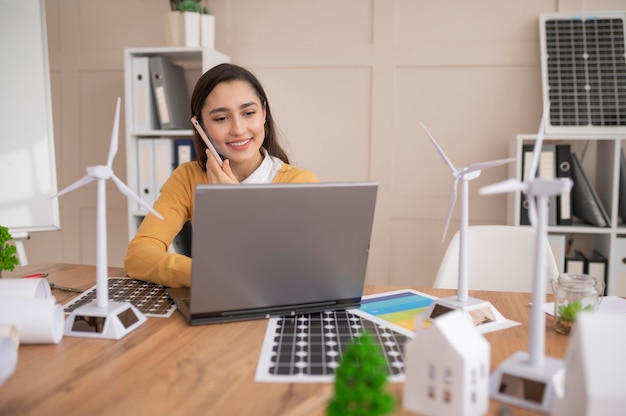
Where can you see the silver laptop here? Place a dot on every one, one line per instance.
(277, 249)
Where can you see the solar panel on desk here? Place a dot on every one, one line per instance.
(151, 299)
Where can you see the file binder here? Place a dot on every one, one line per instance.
(585, 202)
(170, 93)
(184, 151)
(144, 109)
(597, 266)
(622, 186)
(564, 170)
(163, 163)
(547, 170)
(145, 154)
(527, 156)
(575, 263)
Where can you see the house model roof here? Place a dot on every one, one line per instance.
(458, 331)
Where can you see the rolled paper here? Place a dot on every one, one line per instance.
(10, 331)
(31, 288)
(38, 321)
(8, 358)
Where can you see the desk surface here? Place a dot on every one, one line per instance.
(168, 367)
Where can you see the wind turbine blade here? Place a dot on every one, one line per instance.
(537, 149)
(486, 165)
(130, 194)
(114, 135)
(450, 207)
(82, 181)
(509, 185)
(439, 149)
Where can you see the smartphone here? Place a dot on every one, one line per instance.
(206, 139)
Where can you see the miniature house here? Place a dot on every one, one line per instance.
(447, 368)
(594, 367)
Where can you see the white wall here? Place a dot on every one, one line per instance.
(348, 80)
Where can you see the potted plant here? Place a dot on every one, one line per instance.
(8, 259)
(566, 315)
(189, 23)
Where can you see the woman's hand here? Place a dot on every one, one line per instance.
(216, 173)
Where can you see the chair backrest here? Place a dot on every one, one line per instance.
(500, 258)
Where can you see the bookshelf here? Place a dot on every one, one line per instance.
(602, 154)
(195, 61)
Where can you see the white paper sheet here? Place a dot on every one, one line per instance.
(31, 288)
(8, 357)
(39, 321)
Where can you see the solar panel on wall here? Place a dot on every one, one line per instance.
(584, 72)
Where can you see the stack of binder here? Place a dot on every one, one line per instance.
(155, 165)
(557, 160)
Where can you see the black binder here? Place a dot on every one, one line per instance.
(576, 263)
(585, 201)
(564, 170)
(597, 266)
(622, 186)
(527, 157)
(170, 94)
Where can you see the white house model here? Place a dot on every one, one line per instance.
(594, 367)
(447, 368)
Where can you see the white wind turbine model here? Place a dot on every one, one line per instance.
(101, 318)
(531, 379)
(479, 312)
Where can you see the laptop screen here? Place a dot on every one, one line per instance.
(280, 246)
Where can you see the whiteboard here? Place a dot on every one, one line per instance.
(27, 163)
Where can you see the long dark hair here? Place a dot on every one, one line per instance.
(227, 73)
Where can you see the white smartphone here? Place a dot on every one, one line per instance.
(206, 139)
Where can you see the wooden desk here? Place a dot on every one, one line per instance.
(168, 367)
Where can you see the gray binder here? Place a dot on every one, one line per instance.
(170, 94)
(585, 201)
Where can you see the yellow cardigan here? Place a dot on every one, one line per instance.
(147, 257)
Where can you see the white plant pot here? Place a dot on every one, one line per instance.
(182, 29)
(207, 30)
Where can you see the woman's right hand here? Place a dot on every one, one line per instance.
(216, 173)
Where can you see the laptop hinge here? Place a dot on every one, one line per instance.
(275, 309)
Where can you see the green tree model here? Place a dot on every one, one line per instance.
(359, 381)
(8, 260)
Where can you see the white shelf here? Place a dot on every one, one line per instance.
(195, 61)
(605, 151)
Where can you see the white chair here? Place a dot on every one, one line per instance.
(500, 258)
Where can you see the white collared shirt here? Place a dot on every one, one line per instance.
(267, 170)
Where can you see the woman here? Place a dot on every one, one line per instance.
(232, 108)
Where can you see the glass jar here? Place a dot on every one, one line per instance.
(574, 293)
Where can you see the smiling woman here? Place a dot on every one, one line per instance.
(232, 109)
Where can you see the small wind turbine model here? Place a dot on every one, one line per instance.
(101, 318)
(478, 311)
(530, 379)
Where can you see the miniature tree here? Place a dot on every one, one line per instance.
(359, 381)
(8, 259)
